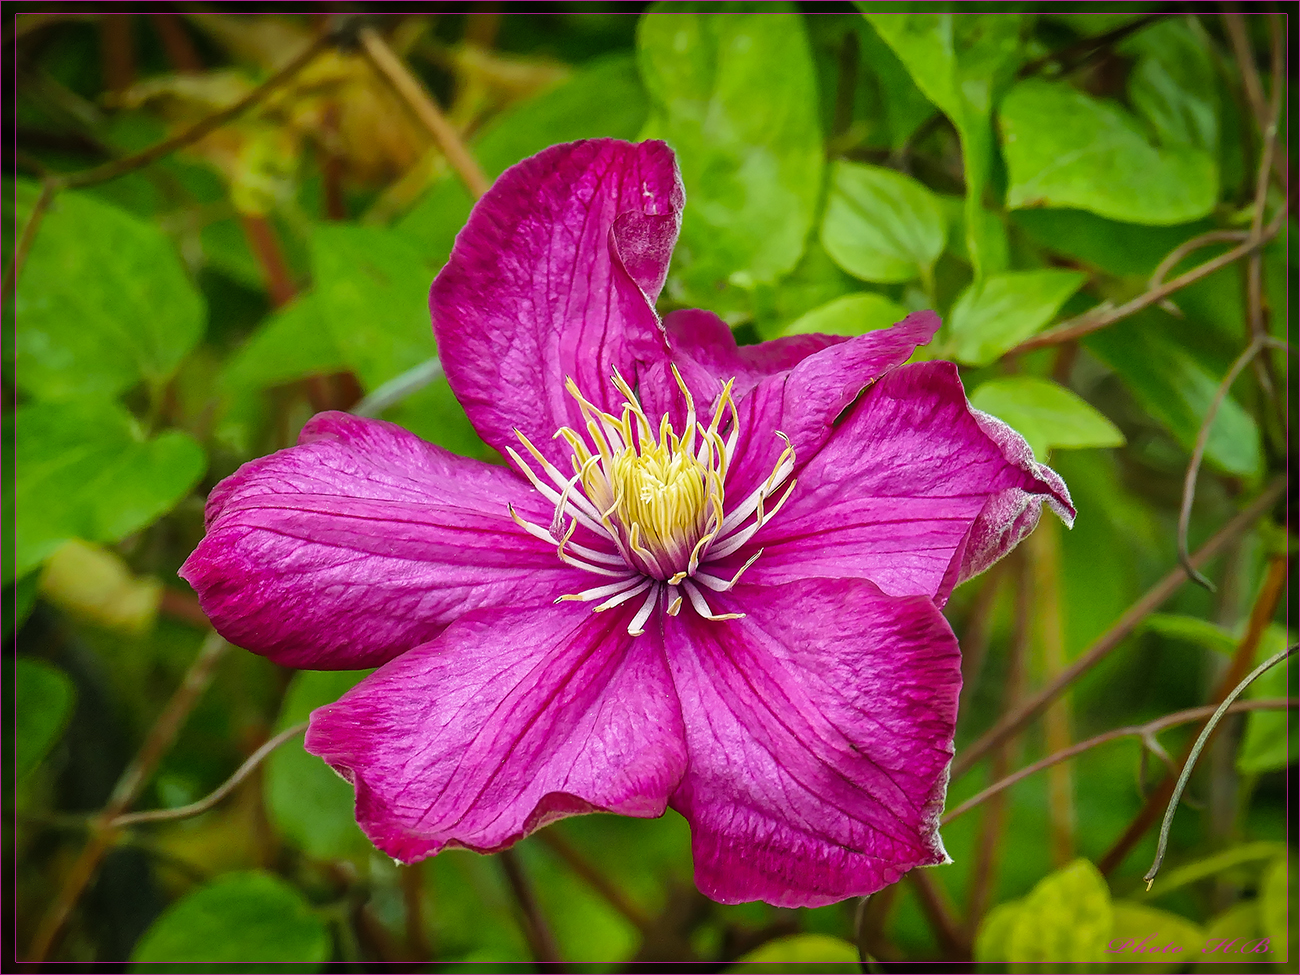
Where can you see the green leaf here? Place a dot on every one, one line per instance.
(292, 343)
(604, 99)
(827, 953)
(854, 314)
(992, 943)
(307, 801)
(962, 63)
(905, 106)
(1064, 149)
(1209, 866)
(372, 292)
(102, 303)
(1271, 740)
(1157, 940)
(1001, 311)
(996, 254)
(1277, 897)
(45, 697)
(1177, 391)
(1067, 917)
(1191, 629)
(881, 225)
(1173, 86)
(736, 96)
(1235, 932)
(1118, 248)
(1046, 414)
(24, 601)
(241, 918)
(85, 470)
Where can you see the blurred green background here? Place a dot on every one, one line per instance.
(844, 165)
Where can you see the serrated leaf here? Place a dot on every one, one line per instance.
(854, 314)
(45, 697)
(747, 138)
(1067, 917)
(1177, 390)
(1157, 940)
(102, 303)
(880, 225)
(1065, 149)
(85, 470)
(308, 802)
(1001, 311)
(962, 63)
(827, 953)
(1046, 414)
(252, 918)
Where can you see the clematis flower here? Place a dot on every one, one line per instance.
(710, 578)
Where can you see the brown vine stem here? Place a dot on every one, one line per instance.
(1194, 244)
(1097, 319)
(132, 781)
(1029, 709)
(1261, 614)
(421, 105)
(216, 795)
(1129, 731)
(596, 880)
(993, 823)
(938, 910)
(1195, 753)
(1198, 454)
(127, 164)
(536, 930)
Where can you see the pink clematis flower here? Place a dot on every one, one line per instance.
(711, 578)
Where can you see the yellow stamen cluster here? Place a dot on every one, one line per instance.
(659, 495)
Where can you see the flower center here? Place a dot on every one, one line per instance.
(658, 496)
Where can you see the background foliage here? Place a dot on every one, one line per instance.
(1014, 170)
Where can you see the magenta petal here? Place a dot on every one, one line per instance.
(554, 276)
(508, 721)
(914, 490)
(361, 542)
(804, 401)
(819, 730)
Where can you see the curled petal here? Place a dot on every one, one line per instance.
(819, 729)
(508, 721)
(914, 490)
(362, 541)
(554, 276)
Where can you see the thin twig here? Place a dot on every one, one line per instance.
(536, 930)
(596, 880)
(400, 387)
(1011, 723)
(1204, 736)
(422, 106)
(1261, 615)
(120, 167)
(938, 910)
(26, 237)
(1198, 454)
(1235, 26)
(1095, 320)
(216, 795)
(132, 781)
(1176, 255)
(1142, 731)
